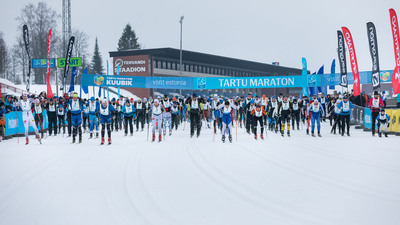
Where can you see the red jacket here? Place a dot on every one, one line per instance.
(375, 108)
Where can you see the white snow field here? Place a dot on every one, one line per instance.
(183, 181)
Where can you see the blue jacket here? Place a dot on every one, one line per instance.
(345, 110)
(104, 114)
(75, 109)
(387, 117)
(95, 109)
(320, 109)
(130, 113)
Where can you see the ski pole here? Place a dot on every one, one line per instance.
(236, 131)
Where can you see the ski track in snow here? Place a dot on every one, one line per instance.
(183, 180)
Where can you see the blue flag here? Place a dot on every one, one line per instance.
(312, 90)
(100, 88)
(85, 89)
(73, 74)
(333, 67)
(304, 73)
(322, 89)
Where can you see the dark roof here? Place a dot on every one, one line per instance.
(172, 53)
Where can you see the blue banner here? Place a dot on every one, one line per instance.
(72, 84)
(12, 122)
(85, 88)
(113, 81)
(249, 82)
(169, 82)
(368, 118)
(42, 63)
(304, 74)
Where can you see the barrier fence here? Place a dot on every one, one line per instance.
(362, 116)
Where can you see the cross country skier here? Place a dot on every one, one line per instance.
(85, 115)
(175, 109)
(258, 114)
(76, 107)
(195, 111)
(272, 105)
(156, 118)
(382, 121)
(140, 108)
(52, 116)
(337, 120)
(128, 110)
(296, 114)
(106, 110)
(323, 100)
(227, 119)
(249, 122)
(375, 104)
(285, 108)
(264, 105)
(94, 110)
(27, 117)
(61, 118)
(346, 108)
(38, 109)
(166, 115)
(216, 113)
(315, 110)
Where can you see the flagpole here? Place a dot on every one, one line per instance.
(108, 91)
(118, 87)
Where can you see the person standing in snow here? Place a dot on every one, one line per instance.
(195, 111)
(375, 104)
(345, 107)
(94, 110)
(316, 111)
(227, 119)
(285, 108)
(258, 114)
(128, 110)
(382, 121)
(106, 111)
(156, 118)
(76, 107)
(27, 117)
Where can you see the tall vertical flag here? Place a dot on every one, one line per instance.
(74, 72)
(118, 87)
(304, 74)
(49, 91)
(67, 59)
(333, 67)
(353, 60)
(321, 88)
(26, 40)
(85, 89)
(342, 59)
(373, 48)
(395, 31)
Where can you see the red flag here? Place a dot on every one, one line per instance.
(353, 60)
(395, 31)
(49, 91)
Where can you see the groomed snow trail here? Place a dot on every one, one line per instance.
(297, 180)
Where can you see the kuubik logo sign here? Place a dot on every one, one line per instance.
(98, 80)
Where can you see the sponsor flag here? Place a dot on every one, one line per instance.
(26, 40)
(321, 88)
(395, 31)
(85, 89)
(333, 67)
(353, 60)
(67, 59)
(313, 89)
(108, 91)
(373, 48)
(342, 60)
(304, 74)
(118, 87)
(49, 91)
(72, 84)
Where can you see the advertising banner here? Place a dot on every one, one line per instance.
(42, 63)
(353, 60)
(114, 81)
(73, 62)
(169, 82)
(373, 48)
(132, 65)
(367, 118)
(12, 123)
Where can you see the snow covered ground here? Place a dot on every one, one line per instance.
(180, 181)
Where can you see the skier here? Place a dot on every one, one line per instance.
(249, 107)
(38, 109)
(345, 107)
(27, 117)
(272, 105)
(337, 120)
(140, 108)
(382, 121)
(375, 104)
(52, 116)
(195, 110)
(315, 110)
(258, 114)
(322, 100)
(166, 104)
(175, 109)
(296, 114)
(94, 110)
(61, 118)
(75, 106)
(105, 120)
(285, 108)
(264, 105)
(216, 113)
(227, 119)
(128, 110)
(85, 114)
(156, 117)
(206, 111)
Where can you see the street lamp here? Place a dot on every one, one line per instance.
(180, 54)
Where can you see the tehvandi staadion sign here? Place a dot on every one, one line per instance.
(132, 65)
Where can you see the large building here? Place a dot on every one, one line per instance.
(165, 62)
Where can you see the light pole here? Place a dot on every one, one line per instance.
(180, 54)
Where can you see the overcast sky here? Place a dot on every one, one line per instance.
(263, 31)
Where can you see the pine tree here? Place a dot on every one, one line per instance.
(97, 63)
(128, 39)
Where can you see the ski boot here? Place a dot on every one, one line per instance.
(153, 138)
(39, 139)
(262, 136)
(109, 141)
(255, 136)
(73, 139)
(386, 134)
(91, 136)
(159, 138)
(288, 133)
(282, 133)
(170, 132)
(80, 138)
(97, 135)
(223, 138)
(126, 134)
(198, 135)
(312, 134)
(348, 134)
(191, 135)
(307, 132)
(230, 138)
(380, 134)
(42, 135)
(131, 134)
(319, 134)
(27, 141)
(342, 134)
(102, 141)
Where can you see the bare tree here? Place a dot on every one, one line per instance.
(3, 57)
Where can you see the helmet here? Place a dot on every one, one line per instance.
(104, 100)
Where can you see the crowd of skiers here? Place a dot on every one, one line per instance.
(74, 116)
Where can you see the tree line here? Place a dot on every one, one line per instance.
(40, 19)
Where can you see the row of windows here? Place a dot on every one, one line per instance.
(173, 65)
